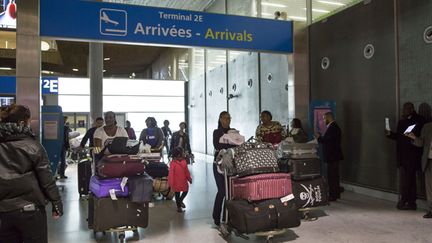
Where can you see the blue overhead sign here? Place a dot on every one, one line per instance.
(49, 85)
(110, 22)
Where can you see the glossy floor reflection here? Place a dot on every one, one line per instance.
(355, 218)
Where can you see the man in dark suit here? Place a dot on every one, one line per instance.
(408, 156)
(332, 154)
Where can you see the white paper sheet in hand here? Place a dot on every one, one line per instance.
(409, 129)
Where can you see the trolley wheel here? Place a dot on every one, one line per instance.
(269, 239)
(121, 236)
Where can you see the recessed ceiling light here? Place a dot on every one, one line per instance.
(273, 5)
(333, 3)
(75, 69)
(104, 70)
(107, 59)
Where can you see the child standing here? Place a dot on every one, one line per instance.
(179, 177)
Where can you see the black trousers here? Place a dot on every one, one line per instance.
(179, 198)
(19, 226)
(333, 179)
(220, 195)
(408, 184)
(62, 165)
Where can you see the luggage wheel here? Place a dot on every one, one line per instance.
(224, 231)
(308, 217)
(239, 234)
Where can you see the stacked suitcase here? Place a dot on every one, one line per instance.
(300, 159)
(259, 198)
(159, 172)
(121, 191)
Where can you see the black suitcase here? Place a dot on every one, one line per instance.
(304, 169)
(84, 174)
(310, 193)
(283, 165)
(261, 216)
(109, 214)
(140, 188)
(157, 169)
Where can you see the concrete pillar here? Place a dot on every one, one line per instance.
(95, 72)
(301, 84)
(28, 60)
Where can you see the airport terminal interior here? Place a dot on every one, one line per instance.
(358, 63)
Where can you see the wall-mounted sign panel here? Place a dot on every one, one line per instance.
(110, 22)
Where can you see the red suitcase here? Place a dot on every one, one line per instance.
(120, 165)
(262, 186)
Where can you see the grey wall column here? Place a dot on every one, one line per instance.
(95, 71)
(301, 72)
(28, 60)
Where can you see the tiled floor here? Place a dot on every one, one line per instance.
(355, 218)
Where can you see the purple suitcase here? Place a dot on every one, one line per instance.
(101, 187)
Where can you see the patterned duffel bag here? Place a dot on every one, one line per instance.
(255, 158)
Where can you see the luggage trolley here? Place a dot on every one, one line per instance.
(226, 230)
(120, 231)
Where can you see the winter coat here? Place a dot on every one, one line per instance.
(25, 172)
(179, 176)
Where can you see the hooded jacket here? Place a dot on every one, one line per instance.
(25, 173)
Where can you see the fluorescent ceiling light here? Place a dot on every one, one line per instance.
(47, 72)
(332, 3)
(5, 68)
(299, 18)
(273, 5)
(107, 59)
(319, 10)
(267, 14)
(75, 69)
(104, 70)
(45, 46)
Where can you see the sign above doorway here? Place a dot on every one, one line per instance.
(119, 23)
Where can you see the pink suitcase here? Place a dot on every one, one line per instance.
(262, 186)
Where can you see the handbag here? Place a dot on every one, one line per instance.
(255, 158)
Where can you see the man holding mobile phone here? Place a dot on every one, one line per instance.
(408, 156)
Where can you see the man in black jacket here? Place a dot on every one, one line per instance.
(89, 134)
(332, 154)
(408, 156)
(26, 182)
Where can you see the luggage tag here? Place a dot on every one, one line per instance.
(123, 183)
(287, 198)
(112, 194)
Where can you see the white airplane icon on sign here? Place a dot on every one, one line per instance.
(107, 20)
(113, 22)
